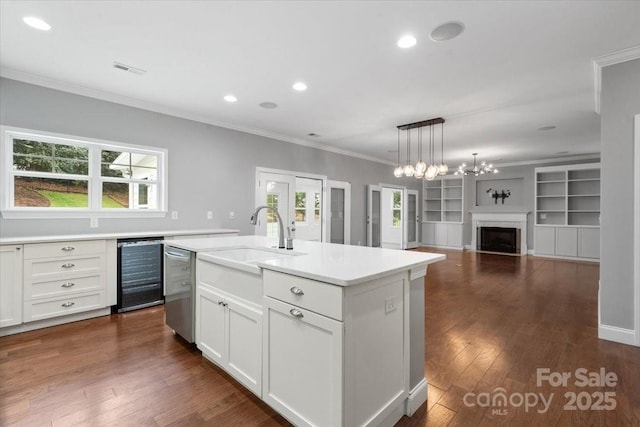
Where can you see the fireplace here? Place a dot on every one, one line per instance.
(499, 239)
(499, 222)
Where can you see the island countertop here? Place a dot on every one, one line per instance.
(341, 265)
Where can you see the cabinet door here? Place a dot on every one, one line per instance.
(454, 235)
(244, 345)
(566, 241)
(441, 234)
(545, 240)
(10, 285)
(302, 367)
(210, 321)
(428, 233)
(589, 242)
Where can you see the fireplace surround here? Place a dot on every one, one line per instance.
(503, 223)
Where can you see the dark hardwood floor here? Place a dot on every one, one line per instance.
(491, 322)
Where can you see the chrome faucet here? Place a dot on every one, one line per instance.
(254, 221)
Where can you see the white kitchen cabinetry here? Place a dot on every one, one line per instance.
(228, 327)
(10, 285)
(336, 356)
(62, 278)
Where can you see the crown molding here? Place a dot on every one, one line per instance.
(600, 62)
(579, 157)
(76, 89)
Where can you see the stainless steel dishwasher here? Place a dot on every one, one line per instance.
(180, 286)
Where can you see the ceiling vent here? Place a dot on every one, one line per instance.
(124, 67)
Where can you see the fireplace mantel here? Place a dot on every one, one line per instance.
(512, 219)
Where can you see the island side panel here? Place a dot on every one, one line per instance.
(417, 382)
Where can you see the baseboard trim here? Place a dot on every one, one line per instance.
(615, 334)
(566, 258)
(45, 323)
(416, 398)
(451, 248)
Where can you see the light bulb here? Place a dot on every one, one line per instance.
(421, 166)
(409, 170)
(419, 174)
(431, 173)
(397, 172)
(443, 169)
(495, 171)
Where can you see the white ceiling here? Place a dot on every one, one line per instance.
(518, 66)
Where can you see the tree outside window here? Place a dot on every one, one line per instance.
(301, 207)
(396, 209)
(316, 208)
(272, 220)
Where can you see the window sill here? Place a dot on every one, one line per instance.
(77, 214)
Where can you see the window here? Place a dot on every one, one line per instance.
(316, 207)
(46, 175)
(301, 206)
(272, 220)
(396, 208)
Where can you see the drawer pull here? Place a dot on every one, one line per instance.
(222, 303)
(68, 304)
(68, 285)
(68, 249)
(296, 313)
(296, 290)
(68, 265)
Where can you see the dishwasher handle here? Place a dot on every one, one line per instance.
(177, 256)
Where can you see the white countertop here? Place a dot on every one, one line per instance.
(342, 265)
(127, 235)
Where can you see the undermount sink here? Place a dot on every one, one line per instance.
(247, 258)
(250, 254)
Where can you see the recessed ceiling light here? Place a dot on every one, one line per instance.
(230, 98)
(300, 86)
(446, 31)
(36, 23)
(407, 41)
(546, 128)
(268, 105)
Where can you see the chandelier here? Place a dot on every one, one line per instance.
(421, 169)
(476, 170)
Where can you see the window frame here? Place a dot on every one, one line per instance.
(93, 178)
(395, 209)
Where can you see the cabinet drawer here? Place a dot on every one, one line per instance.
(65, 267)
(322, 298)
(44, 309)
(58, 249)
(63, 287)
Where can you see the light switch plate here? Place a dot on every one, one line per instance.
(390, 305)
(93, 222)
(209, 215)
(174, 214)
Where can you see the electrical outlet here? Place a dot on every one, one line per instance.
(93, 222)
(543, 216)
(390, 305)
(232, 215)
(174, 214)
(209, 215)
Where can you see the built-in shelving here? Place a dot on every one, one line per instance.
(443, 200)
(568, 195)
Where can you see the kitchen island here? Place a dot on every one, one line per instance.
(326, 334)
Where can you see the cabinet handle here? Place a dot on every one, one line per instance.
(222, 303)
(68, 304)
(68, 285)
(296, 290)
(68, 265)
(68, 248)
(296, 313)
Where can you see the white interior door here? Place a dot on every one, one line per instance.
(411, 219)
(374, 206)
(339, 202)
(275, 190)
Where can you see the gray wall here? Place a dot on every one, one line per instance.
(210, 168)
(620, 102)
